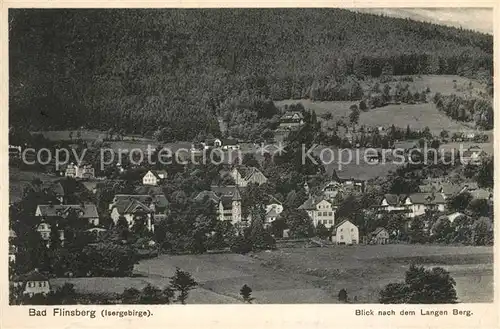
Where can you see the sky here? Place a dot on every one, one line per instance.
(478, 19)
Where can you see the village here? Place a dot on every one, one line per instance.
(254, 203)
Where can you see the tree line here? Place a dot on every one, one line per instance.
(175, 71)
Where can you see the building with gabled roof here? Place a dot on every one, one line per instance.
(138, 207)
(244, 175)
(86, 211)
(320, 210)
(345, 232)
(411, 205)
(227, 200)
(379, 236)
(154, 177)
(32, 283)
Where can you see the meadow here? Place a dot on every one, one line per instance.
(307, 275)
(417, 116)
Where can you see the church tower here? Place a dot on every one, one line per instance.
(236, 206)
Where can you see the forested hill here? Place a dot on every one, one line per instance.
(173, 70)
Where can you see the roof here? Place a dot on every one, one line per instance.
(272, 213)
(393, 199)
(33, 275)
(427, 198)
(125, 203)
(89, 210)
(248, 172)
(289, 115)
(481, 194)
(311, 202)
(158, 199)
(378, 230)
(149, 189)
(272, 199)
(229, 141)
(207, 194)
(157, 173)
(227, 194)
(340, 223)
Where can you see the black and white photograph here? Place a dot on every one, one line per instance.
(162, 156)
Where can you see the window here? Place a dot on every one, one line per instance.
(330, 221)
(341, 230)
(352, 230)
(341, 237)
(330, 214)
(39, 284)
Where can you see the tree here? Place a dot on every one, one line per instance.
(485, 174)
(421, 286)
(299, 223)
(354, 115)
(343, 296)
(362, 106)
(322, 232)
(182, 282)
(460, 202)
(444, 134)
(246, 294)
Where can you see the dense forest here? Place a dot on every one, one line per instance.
(171, 73)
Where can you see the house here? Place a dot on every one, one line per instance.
(81, 172)
(12, 246)
(86, 212)
(320, 210)
(291, 120)
(273, 209)
(391, 203)
(229, 144)
(419, 203)
(45, 229)
(14, 151)
(482, 193)
(411, 205)
(331, 189)
(345, 232)
(379, 236)
(243, 176)
(227, 200)
(153, 177)
(351, 183)
(32, 283)
(452, 216)
(135, 207)
(474, 155)
(211, 143)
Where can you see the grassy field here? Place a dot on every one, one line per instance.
(418, 116)
(18, 180)
(308, 275)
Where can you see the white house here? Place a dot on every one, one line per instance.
(273, 209)
(154, 177)
(418, 203)
(82, 172)
(320, 210)
(345, 232)
(412, 205)
(33, 283)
